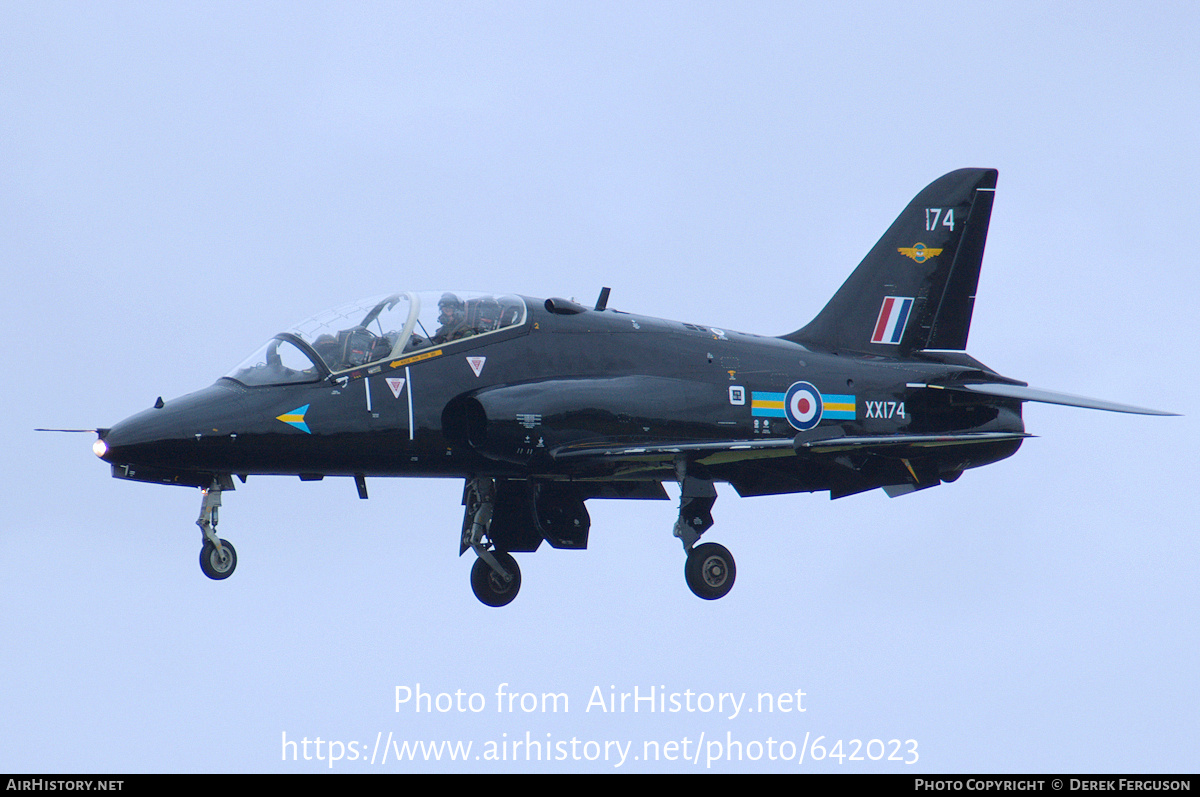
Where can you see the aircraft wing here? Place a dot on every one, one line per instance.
(890, 441)
(723, 451)
(1025, 393)
(708, 452)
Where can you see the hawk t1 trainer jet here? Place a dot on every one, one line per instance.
(541, 405)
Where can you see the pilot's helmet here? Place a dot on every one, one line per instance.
(327, 347)
(450, 306)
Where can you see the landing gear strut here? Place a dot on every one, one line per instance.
(217, 557)
(495, 576)
(710, 569)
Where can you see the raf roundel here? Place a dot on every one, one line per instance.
(803, 405)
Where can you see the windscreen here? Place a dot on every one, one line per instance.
(375, 330)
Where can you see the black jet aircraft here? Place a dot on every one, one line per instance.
(542, 405)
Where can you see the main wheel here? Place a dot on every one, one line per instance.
(215, 565)
(710, 571)
(490, 588)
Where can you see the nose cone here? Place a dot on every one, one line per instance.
(143, 438)
(170, 437)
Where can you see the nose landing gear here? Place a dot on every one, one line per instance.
(217, 557)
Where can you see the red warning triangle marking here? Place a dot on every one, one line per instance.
(396, 384)
(476, 364)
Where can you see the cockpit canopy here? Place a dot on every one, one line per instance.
(375, 330)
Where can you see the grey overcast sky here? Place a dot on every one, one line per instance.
(179, 181)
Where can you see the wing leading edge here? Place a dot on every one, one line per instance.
(725, 451)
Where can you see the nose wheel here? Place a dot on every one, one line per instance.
(218, 563)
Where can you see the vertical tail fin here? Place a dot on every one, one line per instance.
(915, 289)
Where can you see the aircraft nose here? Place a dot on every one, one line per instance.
(166, 435)
(142, 438)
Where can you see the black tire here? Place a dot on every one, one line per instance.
(491, 589)
(213, 565)
(710, 571)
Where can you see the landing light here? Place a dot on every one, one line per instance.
(100, 448)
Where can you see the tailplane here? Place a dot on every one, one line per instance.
(916, 288)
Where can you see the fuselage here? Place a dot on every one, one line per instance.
(566, 377)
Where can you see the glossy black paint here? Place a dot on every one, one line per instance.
(543, 405)
(556, 403)
(594, 378)
(572, 378)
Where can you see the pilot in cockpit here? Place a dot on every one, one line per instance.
(452, 316)
(326, 346)
(353, 347)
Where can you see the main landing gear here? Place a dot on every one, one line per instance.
(710, 569)
(492, 528)
(217, 557)
(495, 576)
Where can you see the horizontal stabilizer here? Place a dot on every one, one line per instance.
(1023, 393)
